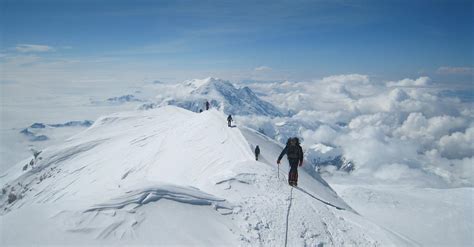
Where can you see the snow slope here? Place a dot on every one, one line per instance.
(170, 176)
(431, 216)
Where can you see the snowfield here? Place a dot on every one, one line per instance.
(170, 176)
(431, 216)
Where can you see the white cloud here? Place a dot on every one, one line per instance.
(371, 148)
(394, 172)
(324, 134)
(398, 95)
(420, 82)
(33, 48)
(263, 68)
(387, 129)
(422, 129)
(350, 78)
(458, 172)
(457, 145)
(383, 121)
(455, 70)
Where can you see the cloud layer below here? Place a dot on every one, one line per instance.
(402, 130)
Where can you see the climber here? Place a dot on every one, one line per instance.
(294, 153)
(257, 152)
(229, 121)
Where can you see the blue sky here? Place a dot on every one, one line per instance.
(237, 40)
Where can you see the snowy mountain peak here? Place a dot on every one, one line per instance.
(224, 95)
(208, 85)
(196, 83)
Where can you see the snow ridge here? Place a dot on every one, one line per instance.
(136, 177)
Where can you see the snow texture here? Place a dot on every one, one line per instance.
(173, 177)
(433, 217)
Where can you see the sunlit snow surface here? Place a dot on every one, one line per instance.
(184, 175)
(433, 217)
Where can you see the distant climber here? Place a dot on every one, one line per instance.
(294, 153)
(207, 105)
(257, 152)
(229, 121)
(200, 110)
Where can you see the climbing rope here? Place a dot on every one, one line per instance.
(288, 216)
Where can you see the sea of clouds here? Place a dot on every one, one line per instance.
(395, 131)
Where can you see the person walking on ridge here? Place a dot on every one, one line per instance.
(207, 105)
(229, 121)
(294, 153)
(257, 152)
